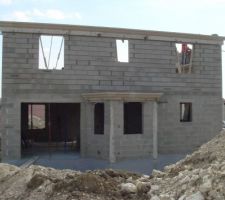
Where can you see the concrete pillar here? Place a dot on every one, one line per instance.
(155, 130)
(147, 118)
(86, 125)
(113, 128)
(112, 157)
(83, 129)
(11, 133)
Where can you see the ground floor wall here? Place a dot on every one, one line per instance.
(173, 136)
(181, 137)
(114, 144)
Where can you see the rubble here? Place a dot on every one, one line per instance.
(127, 188)
(200, 176)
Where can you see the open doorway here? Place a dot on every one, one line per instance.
(49, 127)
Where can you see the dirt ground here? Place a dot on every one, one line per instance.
(200, 176)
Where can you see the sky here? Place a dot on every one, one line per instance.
(192, 16)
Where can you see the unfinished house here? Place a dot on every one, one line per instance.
(108, 93)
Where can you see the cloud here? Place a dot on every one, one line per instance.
(182, 4)
(5, 2)
(76, 15)
(20, 16)
(51, 14)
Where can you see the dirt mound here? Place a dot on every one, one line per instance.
(200, 176)
(38, 182)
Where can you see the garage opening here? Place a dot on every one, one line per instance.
(50, 127)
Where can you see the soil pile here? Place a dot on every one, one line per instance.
(37, 182)
(200, 176)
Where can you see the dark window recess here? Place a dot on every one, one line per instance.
(36, 116)
(99, 118)
(185, 112)
(133, 118)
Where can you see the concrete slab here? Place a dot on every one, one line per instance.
(71, 160)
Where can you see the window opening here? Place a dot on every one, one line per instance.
(51, 52)
(36, 116)
(184, 53)
(185, 112)
(133, 118)
(99, 118)
(122, 48)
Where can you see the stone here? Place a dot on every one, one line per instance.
(155, 198)
(186, 179)
(194, 178)
(165, 197)
(154, 187)
(145, 176)
(183, 197)
(206, 186)
(196, 196)
(130, 179)
(143, 187)
(128, 188)
(157, 173)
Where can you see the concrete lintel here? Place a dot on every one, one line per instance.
(61, 29)
(121, 96)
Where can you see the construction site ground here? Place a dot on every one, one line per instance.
(199, 176)
(73, 160)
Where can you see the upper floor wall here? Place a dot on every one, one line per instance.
(90, 61)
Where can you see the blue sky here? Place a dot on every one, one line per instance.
(192, 16)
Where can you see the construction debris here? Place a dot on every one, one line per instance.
(200, 176)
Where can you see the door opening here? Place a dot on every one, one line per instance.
(50, 127)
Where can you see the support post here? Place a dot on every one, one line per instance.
(155, 131)
(112, 157)
(83, 129)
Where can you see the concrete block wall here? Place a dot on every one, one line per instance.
(119, 145)
(182, 137)
(134, 145)
(94, 145)
(91, 66)
(11, 134)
